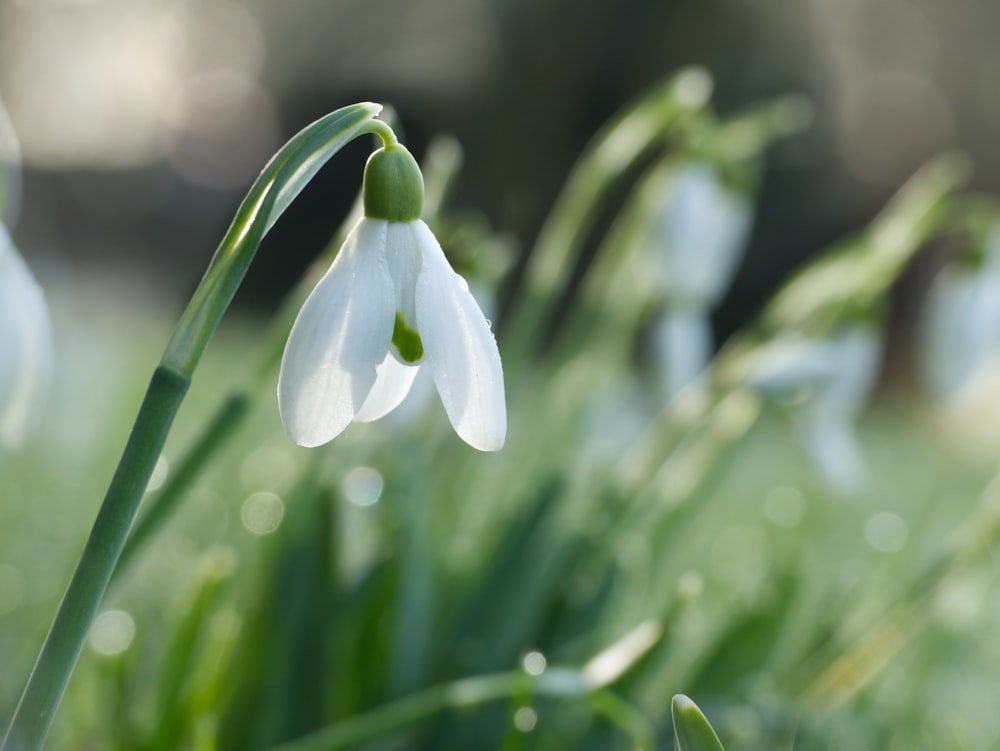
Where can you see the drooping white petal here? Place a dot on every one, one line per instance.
(701, 234)
(857, 360)
(392, 384)
(836, 376)
(790, 363)
(460, 349)
(682, 347)
(961, 328)
(838, 373)
(25, 346)
(341, 334)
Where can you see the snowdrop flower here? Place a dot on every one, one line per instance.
(390, 304)
(25, 346)
(695, 240)
(961, 324)
(833, 377)
(699, 234)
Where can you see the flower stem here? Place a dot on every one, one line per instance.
(51, 673)
(216, 434)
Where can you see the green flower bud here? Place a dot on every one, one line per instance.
(393, 185)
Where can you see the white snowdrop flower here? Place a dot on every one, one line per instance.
(837, 373)
(961, 325)
(694, 242)
(700, 234)
(25, 346)
(834, 378)
(390, 304)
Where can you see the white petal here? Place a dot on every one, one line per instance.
(792, 362)
(25, 346)
(682, 347)
(392, 384)
(838, 373)
(342, 333)
(961, 329)
(701, 233)
(858, 360)
(460, 349)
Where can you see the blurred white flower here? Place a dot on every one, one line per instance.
(828, 381)
(25, 346)
(961, 325)
(700, 234)
(682, 348)
(389, 302)
(695, 244)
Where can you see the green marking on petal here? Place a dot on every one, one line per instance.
(407, 341)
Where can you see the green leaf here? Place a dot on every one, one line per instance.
(692, 730)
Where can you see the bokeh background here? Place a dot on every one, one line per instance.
(142, 122)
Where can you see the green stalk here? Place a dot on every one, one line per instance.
(277, 186)
(51, 673)
(223, 424)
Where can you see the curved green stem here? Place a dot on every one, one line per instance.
(281, 181)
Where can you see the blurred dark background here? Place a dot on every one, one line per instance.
(142, 122)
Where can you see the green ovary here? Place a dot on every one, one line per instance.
(407, 341)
